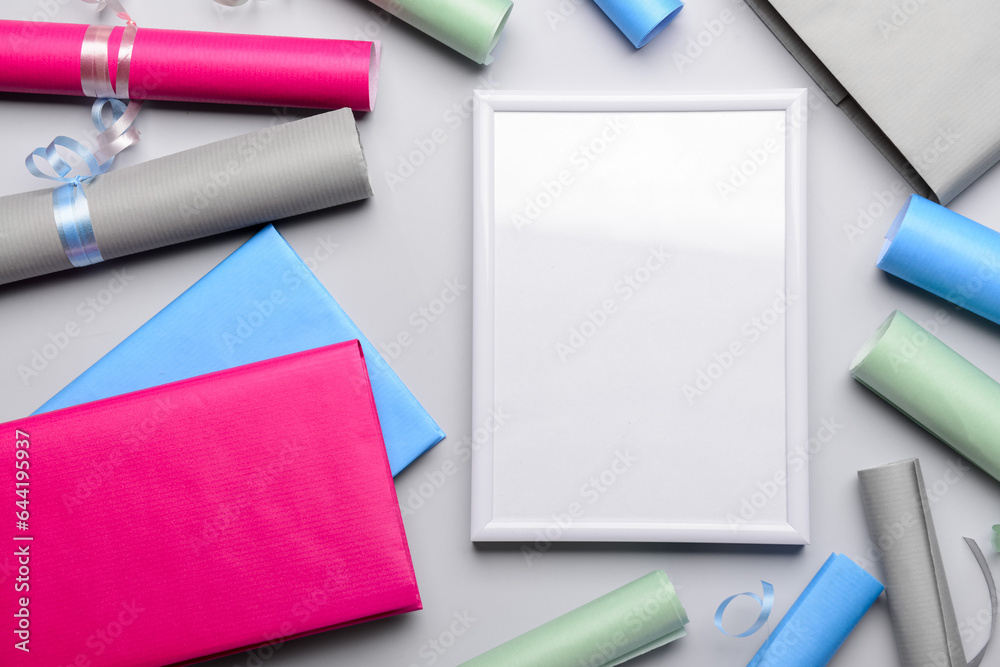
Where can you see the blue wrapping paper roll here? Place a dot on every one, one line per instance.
(641, 20)
(821, 618)
(946, 254)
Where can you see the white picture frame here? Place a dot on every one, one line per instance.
(679, 414)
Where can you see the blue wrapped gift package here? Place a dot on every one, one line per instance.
(260, 302)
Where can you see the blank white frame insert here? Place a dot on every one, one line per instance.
(639, 318)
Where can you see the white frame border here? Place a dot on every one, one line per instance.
(796, 529)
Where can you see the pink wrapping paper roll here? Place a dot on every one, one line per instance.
(182, 66)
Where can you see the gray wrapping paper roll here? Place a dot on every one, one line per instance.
(920, 606)
(274, 173)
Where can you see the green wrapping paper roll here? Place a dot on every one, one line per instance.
(617, 627)
(934, 386)
(471, 27)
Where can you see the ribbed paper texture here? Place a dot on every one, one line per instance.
(280, 171)
(899, 520)
(184, 66)
(917, 77)
(206, 516)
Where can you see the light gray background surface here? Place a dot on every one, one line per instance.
(387, 259)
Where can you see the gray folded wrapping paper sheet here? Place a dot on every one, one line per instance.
(920, 79)
(274, 173)
(920, 606)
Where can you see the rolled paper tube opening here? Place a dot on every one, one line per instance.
(640, 20)
(890, 235)
(932, 384)
(497, 32)
(660, 26)
(470, 27)
(946, 254)
(373, 70)
(872, 342)
(671, 592)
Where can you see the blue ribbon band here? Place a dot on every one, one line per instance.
(76, 230)
(765, 610)
(95, 69)
(69, 200)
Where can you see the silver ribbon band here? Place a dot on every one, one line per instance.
(95, 65)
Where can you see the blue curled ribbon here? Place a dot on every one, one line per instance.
(765, 610)
(69, 201)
